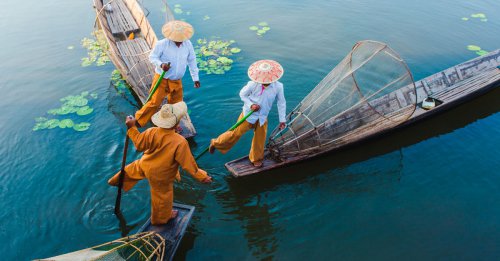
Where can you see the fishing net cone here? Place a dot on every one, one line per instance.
(141, 246)
(370, 90)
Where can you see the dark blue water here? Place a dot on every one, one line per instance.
(428, 192)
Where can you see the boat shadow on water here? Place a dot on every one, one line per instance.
(440, 124)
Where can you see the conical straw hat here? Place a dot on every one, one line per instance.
(177, 31)
(169, 115)
(265, 71)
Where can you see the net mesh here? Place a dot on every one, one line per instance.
(141, 246)
(371, 89)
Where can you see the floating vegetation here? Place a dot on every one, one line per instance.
(96, 50)
(482, 17)
(72, 104)
(118, 82)
(261, 29)
(477, 50)
(206, 17)
(178, 9)
(71, 47)
(213, 56)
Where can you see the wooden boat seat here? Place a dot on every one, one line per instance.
(120, 19)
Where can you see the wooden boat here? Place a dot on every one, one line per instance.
(150, 242)
(118, 19)
(447, 89)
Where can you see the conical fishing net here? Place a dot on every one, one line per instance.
(141, 246)
(371, 90)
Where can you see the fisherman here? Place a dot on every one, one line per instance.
(172, 55)
(164, 150)
(258, 95)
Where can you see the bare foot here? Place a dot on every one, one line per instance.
(257, 164)
(174, 214)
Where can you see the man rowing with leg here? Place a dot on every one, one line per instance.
(164, 151)
(172, 54)
(258, 95)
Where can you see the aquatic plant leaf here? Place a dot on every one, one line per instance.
(263, 24)
(482, 52)
(178, 11)
(40, 119)
(66, 123)
(52, 123)
(84, 93)
(94, 95)
(84, 111)
(473, 47)
(235, 50)
(86, 62)
(83, 126)
(465, 19)
(71, 47)
(177, 5)
(188, 13)
(40, 126)
(253, 28)
(484, 20)
(206, 17)
(261, 31)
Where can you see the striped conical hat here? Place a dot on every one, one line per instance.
(265, 71)
(177, 31)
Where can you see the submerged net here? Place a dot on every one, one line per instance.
(371, 90)
(141, 246)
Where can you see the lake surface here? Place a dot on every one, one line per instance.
(429, 192)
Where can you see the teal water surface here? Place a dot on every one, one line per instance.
(429, 192)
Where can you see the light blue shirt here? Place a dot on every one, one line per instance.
(179, 57)
(252, 94)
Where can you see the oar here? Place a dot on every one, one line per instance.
(118, 213)
(231, 129)
(156, 85)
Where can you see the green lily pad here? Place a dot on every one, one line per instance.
(41, 126)
(178, 11)
(266, 28)
(40, 119)
(235, 50)
(83, 126)
(261, 31)
(253, 28)
(66, 123)
(177, 5)
(473, 48)
(86, 62)
(52, 123)
(482, 52)
(84, 111)
(484, 20)
(465, 19)
(84, 93)
(71, 47)
(94, 95)
(206, 17)
(263, 24)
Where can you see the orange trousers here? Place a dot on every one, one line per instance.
(172, 89)
(228, 139)
(162, 190)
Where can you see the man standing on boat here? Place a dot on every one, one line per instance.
(172, 55)
(164, 151)
(258, 95)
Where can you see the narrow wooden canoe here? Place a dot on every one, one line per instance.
(450, 87)
(171, 233)
(118, 19)
(174, 230)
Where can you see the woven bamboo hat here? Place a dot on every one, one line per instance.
(265, 71)
(169, 115)
(177, 31)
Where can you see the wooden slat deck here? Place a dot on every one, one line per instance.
(120, 19)
(131, 56)
(174, 230)
(452, 86)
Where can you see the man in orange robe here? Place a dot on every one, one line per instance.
(164, 151)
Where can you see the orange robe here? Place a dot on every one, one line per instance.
(172, 89)
(164, 150)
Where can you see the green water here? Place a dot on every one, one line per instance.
(429, 192)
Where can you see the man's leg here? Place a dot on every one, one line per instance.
(227, 139)
(133, 174)
(174, 91)
(151, 107)
(162, 198)
(256, 154)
